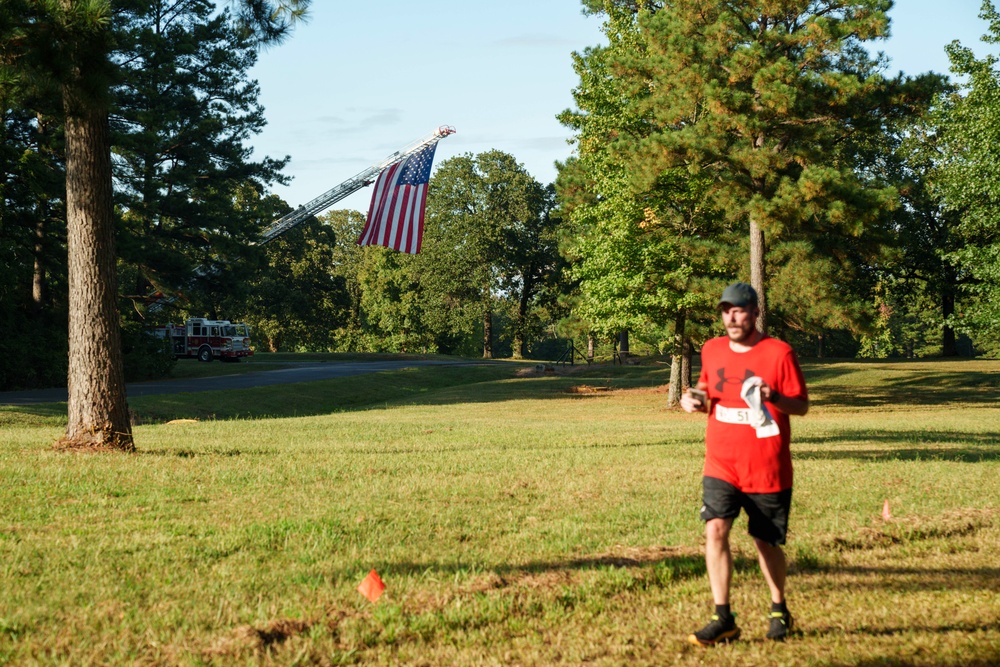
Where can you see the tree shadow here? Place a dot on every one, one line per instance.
(929, 446)
(470, 384)
(904, 383)
(656, 566)
(888, 395)
(987, 656)
(417, 386)
(912, 579)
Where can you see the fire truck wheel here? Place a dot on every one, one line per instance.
(205, 354)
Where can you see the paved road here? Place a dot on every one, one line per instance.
(296, 372)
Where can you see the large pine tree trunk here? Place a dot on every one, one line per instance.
(97, 410)
(758, 253)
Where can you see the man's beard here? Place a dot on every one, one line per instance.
(739, 334)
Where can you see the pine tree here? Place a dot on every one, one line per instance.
(68, 45)
(754, 99)
(183, 112)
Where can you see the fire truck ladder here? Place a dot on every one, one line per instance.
(349, 187)
(329, 198)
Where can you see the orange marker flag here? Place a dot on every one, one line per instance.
(886, 514)
(372, 586)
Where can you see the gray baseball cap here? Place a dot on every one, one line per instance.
(740, 295)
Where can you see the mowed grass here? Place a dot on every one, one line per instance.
(515, 520)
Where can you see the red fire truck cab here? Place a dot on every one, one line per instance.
(207, 339)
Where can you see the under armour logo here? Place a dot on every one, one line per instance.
(732, 380)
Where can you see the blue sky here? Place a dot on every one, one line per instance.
(361, 80)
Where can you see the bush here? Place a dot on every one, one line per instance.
(146, 357)
(35, 351)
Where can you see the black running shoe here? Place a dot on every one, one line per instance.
(781, 625)
(718, 631)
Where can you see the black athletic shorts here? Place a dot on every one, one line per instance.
(767, 512)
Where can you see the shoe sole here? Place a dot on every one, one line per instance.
(724, 638)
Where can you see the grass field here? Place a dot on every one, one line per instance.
(515, 521)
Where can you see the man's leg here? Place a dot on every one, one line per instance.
(721, 506)
(768, 519)
(774, 567)
(718, 558)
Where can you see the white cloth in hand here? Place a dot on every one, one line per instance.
(760, 416)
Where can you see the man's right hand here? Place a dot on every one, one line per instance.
(690, 403)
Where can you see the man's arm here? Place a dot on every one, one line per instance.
(790, 405)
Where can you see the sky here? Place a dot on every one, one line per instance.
(361, 80)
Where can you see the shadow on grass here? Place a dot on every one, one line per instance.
(438, 385)
(914, 579)
(887, 396)
(989, 451)
(903, 383)
(985, 656)
(190, 453)
(666, 564)
(914, 384)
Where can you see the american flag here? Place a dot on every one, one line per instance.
(396, 216)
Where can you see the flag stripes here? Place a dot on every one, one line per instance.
(396, 215)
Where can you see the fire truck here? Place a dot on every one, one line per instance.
(207, 339)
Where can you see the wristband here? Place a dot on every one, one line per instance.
(775, 396)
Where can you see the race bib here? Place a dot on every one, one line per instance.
(732, 415)
(745, 416)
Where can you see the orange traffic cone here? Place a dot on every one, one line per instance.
(886, 514)
(372, 586)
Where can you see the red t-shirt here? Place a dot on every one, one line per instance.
(733, 451)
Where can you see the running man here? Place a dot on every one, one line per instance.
(749, 386)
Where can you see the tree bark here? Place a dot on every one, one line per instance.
(487, 333)
(38, 271)
(38, 274)
(623, 344)
(590, 347)
(520, 347)
(758, 278)
(97, 408)
(949, 347)
(686, 364)
(676, 360)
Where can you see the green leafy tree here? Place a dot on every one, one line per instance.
(970, 183)
(489, 244)
(532, 269)
(921, 273)
(812, 293)
(297, 301)
(382, 307)
(392, 303)
(347, 260)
